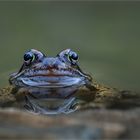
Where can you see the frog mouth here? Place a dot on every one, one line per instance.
(46, 78)
(63, 81)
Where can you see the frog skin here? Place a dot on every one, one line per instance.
(46, 78)
(60, 72)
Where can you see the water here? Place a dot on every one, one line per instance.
(104, 34)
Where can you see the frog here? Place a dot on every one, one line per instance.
(52, 85)
(41, 72)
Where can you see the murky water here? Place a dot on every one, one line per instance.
(104, 34)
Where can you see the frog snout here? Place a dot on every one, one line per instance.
(50, 63)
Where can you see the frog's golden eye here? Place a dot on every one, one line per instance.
(29, 57)
(73, 57)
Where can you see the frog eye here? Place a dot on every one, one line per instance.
(29, 57)
(73, 57)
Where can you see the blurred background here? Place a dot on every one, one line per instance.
(106, 35)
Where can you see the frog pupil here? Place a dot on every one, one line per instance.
(73, 56)
(28, 56)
